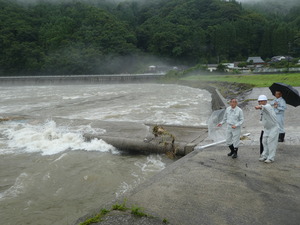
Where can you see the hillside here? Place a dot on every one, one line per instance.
(96, 37)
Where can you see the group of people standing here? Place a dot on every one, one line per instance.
(272, 118)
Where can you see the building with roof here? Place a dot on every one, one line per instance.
(256, 60)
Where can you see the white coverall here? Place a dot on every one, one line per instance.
(280, 112)
(270, 137)
(233, 117)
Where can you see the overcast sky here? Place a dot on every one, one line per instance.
(288, 3)
(281, 1)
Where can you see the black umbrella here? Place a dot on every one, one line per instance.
(290, 94)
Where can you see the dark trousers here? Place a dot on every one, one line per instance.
(260, 142)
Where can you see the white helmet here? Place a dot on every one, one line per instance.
(262, 98)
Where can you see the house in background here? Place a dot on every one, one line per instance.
(152, 68)
(211, 67)
(229, 65)
(256, 61)
(281, 57)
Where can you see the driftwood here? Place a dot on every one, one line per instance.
(167, 139)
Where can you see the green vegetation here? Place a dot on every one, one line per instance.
(98, 37)
(137, 212)
(165, 221)
(134, 210)
(264, 80)
(120, 207)
(96, 218)
(167, 139)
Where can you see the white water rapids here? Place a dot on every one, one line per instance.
(50, 175)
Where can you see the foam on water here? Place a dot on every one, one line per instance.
(152, 164)
(17, 188)
(48, 138)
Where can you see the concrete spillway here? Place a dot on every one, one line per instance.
(80, 79)
(185, 139)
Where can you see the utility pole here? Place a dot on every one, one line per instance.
(288, 57)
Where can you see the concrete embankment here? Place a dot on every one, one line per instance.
(208, 187)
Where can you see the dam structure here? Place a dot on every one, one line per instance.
(80, 79)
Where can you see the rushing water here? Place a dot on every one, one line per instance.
(50, 175)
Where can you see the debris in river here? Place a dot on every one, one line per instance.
(167, 139)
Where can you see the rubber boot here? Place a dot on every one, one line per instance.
(235, 153)
(231, 150)
(281, 137)
(260, 142)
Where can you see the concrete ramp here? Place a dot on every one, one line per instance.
(208, 187)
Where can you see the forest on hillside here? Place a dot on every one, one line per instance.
(102, 37)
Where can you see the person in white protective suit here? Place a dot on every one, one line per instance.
(234, 118)
(279, 105)
(270, 135)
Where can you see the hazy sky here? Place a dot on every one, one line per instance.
(286, 4)
(281, 1)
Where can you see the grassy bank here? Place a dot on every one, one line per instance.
(256, 80)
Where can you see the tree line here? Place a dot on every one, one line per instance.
(97, 37)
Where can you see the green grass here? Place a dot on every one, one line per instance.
(120, 207)
(135, 210)
(96, 218)
(258, 80)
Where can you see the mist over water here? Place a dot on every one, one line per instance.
(284, 5)
(50, 175)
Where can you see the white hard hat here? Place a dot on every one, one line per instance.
(262, 98)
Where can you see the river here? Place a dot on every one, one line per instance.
(49, 175)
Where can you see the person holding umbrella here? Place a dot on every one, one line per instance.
(285, 94)
(279, 105)
(234, 118)
(270, 134)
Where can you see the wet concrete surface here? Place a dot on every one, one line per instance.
(208, 187)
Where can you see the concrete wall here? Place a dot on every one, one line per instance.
(218, 101)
